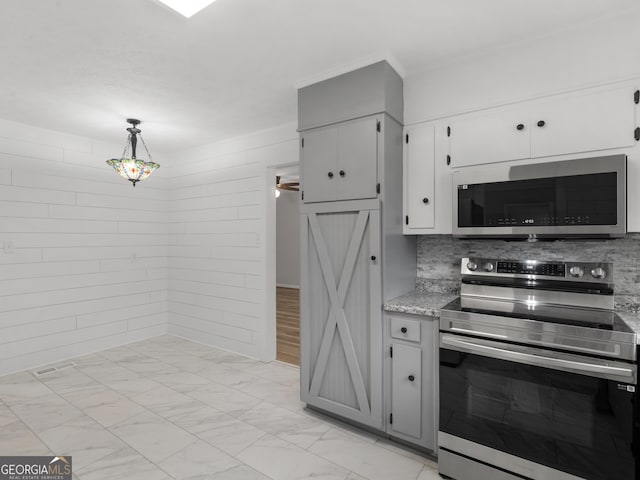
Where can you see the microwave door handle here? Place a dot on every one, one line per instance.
(572, 366)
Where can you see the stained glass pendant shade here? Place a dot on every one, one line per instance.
(129, 166)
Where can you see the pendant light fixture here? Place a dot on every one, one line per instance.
(129, 166)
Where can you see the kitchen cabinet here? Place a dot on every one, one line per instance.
(419, 170)
(353, 253)
(586, 121)
(340, 162)
(583, 122)
(341, 338)
(411, 378)
(494, 136)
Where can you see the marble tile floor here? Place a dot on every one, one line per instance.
(168, 408)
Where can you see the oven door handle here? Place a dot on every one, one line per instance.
(533, 356)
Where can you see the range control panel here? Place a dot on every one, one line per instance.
(590, 272)
(531, 268)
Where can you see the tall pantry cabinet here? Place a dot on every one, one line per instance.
(353, 253)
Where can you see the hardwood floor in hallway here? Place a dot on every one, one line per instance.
(288, 325)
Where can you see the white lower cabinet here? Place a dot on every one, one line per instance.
(406, 390)
(411, 379)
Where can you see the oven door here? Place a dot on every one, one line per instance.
(564, 412)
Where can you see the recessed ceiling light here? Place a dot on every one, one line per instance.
(187, 8)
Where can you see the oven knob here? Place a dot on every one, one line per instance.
(598, 272)
(473, 266)
(576, 271)
(488, 267)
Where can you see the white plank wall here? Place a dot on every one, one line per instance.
(217, 229)
(83, 255)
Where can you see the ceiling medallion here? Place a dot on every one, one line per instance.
(129, 167)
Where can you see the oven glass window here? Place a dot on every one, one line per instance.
(577, 424)
(574, 200)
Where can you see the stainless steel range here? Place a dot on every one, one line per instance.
(538, 375)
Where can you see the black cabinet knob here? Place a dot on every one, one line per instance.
(373, 258)
(425, 200)
(411, 378)
(330, 174)
(520, 126)
(541, 123)
(403, 329)
(342, 173)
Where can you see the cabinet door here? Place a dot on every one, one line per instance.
(584, 122)
(357, 172)
(341, 309)
(319, 154)
(406, 390)
(419, 177)
(493, 137)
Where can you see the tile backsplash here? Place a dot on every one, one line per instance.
(439, 260)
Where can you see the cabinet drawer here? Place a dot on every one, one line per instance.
(404, 329)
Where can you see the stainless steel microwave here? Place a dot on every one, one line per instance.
(571, 198)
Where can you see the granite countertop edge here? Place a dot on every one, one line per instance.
(420, 302)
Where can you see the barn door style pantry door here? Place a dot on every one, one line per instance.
(341, 301)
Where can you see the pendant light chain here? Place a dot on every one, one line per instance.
(126, 147)
(145, 146)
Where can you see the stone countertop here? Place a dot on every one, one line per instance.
(633, 320)
(420, 302)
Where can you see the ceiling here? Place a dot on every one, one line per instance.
(83, 66)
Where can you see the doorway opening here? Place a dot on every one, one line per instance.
(287, 265)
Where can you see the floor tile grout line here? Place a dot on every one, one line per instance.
(53, 426)
(366, 443)
(176, 425)
(180, 369)
(108, 429)
(342, 467)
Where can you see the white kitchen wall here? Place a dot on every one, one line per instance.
(217, 227)
(582, 55)
(288, 239)
(82, 253)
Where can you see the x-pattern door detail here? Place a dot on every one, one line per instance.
(337, 320)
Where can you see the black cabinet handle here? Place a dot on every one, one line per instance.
(403, 329)
(411, 378)
(541, 123)
(373, 258)
(342, 173)
(330, 174)
(425, 200)
(520, 126)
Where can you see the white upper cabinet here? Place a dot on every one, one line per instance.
(491, 137)
(358, 159)
(340, 162)
(584, 123)
(419, 170)
(319, 154)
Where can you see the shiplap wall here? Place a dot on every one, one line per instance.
(217, 228)
(83, 255)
